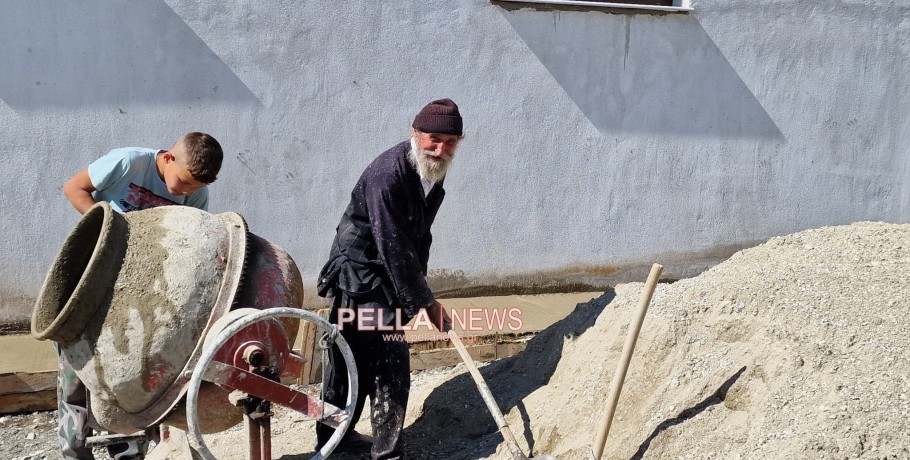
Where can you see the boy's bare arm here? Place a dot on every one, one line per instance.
(79, 191)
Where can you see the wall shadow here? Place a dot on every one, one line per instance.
(644, 73)
(454, 414)
(72, 55)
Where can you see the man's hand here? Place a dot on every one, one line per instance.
(439, 317)
(79, 191)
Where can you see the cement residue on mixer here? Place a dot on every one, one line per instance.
(148, 317)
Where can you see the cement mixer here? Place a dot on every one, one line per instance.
(173, 316)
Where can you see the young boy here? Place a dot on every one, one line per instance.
(131, 179)
(138, 178)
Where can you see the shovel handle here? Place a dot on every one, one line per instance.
(616, 386)
(487, 397)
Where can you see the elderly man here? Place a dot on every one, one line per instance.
(377, 268)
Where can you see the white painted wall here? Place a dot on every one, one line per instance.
(593, 140)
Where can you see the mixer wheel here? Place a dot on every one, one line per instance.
(238, 347)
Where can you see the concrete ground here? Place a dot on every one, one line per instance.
(24, 354)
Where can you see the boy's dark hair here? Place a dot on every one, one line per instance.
(203, 156)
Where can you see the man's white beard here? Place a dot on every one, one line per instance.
(430, 170)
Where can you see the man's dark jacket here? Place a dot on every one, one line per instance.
(383, 239)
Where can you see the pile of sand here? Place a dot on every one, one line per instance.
(797, 348)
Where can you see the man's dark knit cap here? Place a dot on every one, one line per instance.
(440, 117)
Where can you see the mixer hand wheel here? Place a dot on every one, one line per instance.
(214, 366)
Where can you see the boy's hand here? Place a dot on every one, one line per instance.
(79, 191)
(439, 317)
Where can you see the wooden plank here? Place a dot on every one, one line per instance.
(24, 382)
(28, 402)
(504, 350)
(310, 344)
(308, 341)
(431, 359)
(27, 392)
(316, 353)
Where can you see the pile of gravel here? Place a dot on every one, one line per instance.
(796, 348)
(29, 436)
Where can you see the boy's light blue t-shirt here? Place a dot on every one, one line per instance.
(129, 180)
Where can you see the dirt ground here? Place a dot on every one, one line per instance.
(796, 348)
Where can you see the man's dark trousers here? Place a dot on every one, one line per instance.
(384, 374)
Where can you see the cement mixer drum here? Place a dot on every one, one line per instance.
(176, 316)
(130, 297)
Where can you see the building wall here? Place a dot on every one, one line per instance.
(596, 142)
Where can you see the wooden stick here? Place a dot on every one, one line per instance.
(487, 396)
(616, 385)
